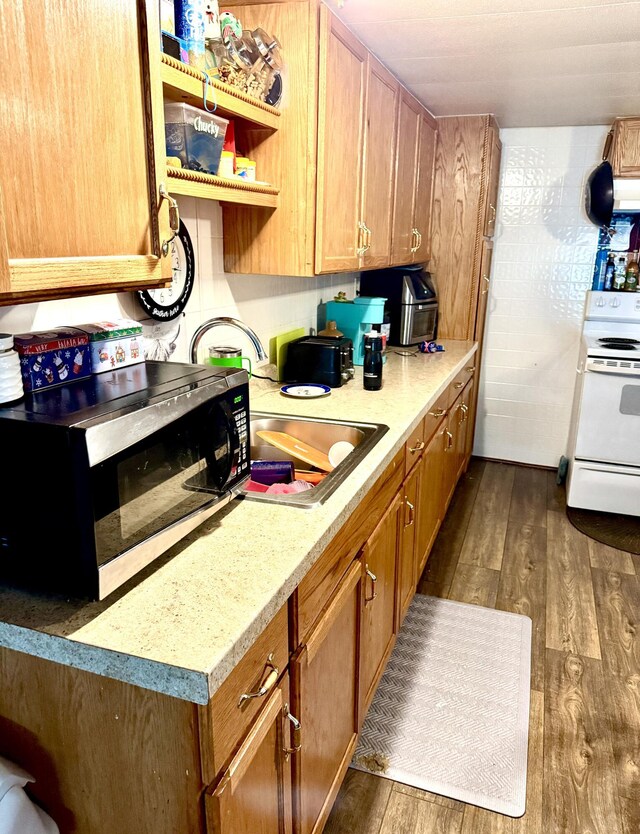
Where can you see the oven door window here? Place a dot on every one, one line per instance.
(174, 472)
(424, 323)
(609, 419)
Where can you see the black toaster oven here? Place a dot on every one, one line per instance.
(322, 359)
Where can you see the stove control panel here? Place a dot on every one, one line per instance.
(612, 306)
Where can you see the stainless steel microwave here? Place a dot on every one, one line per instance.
(104, 475)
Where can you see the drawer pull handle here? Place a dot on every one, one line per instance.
(269, 682)
(439, 412)
(417, 448)
(296, 733)
(471, 369)
(411, 512)
(458, 385)
(449, 440)
(373, 579)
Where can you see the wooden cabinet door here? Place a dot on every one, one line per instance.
(469, 399)
(253, 796)
(430, 503)
(407, 554)
(324, 675)
(492, 182)
(483, 293)
(403, 237)
(449, 458)
(342, 84)
(79, 190)
(424, 187)
(377, 620)
(626, 148)
(383, 91)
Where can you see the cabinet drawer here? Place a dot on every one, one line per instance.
(461, 379)
(227, 718)
(436, 414)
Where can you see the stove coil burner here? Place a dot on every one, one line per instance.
(619, 346)
(619, 340)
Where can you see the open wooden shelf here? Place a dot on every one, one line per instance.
(185, 84)
(210, 187)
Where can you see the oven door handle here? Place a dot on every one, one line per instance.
(613, 372)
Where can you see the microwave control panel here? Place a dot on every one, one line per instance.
(240, 412)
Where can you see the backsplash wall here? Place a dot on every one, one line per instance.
(542, 266)
(268, 304)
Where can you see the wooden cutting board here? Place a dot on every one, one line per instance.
(297, 448)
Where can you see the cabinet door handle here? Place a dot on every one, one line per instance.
(373, 579)
(438, 412)
(420, 444)
(414, 240)
(362, 248)
(471, 369)
(493, 212)
(368, 237)
(296, 733)
(486, 289)
(174, 217)
(411, 512)
(419, 233)
(449, 440)
(458, 385)
(465, 411)
(268, 683)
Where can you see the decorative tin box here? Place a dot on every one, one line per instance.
(52, 357)
(114, 344)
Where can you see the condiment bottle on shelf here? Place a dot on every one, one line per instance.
(609, 272)
(620, 275)
(372, 368)
(631, 277)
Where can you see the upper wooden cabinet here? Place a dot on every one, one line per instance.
(404, 239)
(335, 155)
(625, 158)
(492, 180)
(413, 184)
(379, 156)
(466, 178)
(81, 208)
(343, 66)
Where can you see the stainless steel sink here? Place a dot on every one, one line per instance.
(321, 434)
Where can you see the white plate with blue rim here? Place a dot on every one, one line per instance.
(305, 391)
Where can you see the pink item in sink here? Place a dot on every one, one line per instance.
(289, 489)
(254, 486)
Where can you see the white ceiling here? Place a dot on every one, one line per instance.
(530, 62)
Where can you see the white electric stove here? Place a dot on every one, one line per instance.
(604, 443)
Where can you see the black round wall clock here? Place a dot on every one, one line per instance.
(166, 303)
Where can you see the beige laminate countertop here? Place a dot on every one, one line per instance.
(180, 626)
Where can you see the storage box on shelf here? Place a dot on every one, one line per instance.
(252, 118)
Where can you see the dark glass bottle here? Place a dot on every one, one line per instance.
(609, 271)
(372, 369)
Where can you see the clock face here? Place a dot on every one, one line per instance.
(166, 303)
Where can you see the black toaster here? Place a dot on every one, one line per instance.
(321, 359)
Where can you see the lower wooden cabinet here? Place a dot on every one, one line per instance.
(253, 796)
(407, 545)
(377, 626)
(324, 676)
(430, 503)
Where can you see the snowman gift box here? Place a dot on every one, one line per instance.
(114, 344)
(52, 357)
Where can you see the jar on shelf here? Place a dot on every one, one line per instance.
(11, 388)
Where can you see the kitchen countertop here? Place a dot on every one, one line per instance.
(181, 625)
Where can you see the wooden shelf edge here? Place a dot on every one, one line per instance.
(215, 188)
(184, 83)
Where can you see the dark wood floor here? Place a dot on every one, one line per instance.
(507, 543)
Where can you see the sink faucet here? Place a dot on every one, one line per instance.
(227, 321)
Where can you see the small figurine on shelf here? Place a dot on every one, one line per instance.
(342, 296)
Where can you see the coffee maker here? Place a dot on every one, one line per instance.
(355, 318)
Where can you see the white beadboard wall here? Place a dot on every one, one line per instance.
(269, 304)
(543, 259)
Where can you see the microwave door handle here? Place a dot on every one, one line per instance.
(234, 441)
